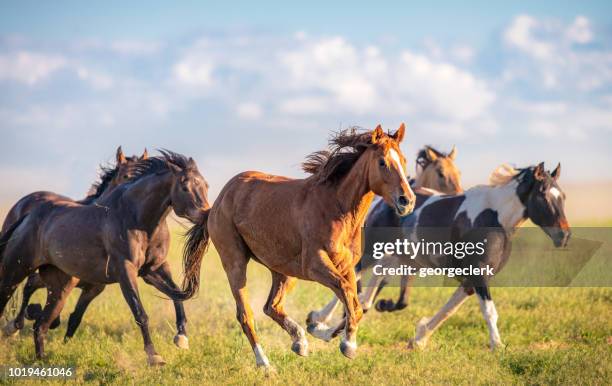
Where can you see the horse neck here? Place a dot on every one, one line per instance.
(150, 199)
(354, 194)
(504, 200)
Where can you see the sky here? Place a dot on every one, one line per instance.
(259, 85)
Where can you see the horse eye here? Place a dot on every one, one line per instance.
(382, 163)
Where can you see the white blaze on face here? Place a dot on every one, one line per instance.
(396, 159)
(555, 192)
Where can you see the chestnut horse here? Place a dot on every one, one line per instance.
(110, 177)
(108, 242)
(306, 228)
(434, 170)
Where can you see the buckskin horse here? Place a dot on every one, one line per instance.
(110, 177)
(492, 212)
(434, 170)
(305, 228)
(108, 242)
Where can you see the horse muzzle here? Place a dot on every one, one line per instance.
(404, 206)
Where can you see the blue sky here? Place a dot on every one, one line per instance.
(246, 85)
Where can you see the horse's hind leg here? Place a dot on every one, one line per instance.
(281, 285)
(59, 286)
(427, 326)
(404, 296)
(163, 274)
(14, 272)
(33, 283)
(487, 307)
(90, 292)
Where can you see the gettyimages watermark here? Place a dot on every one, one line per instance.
(526, 258)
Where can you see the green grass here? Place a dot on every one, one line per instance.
(553, 335)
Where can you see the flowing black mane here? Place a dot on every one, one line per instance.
(159, 164)
(106, 175)
(345, 148)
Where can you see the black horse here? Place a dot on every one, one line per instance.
(108, 242)
(110, 177)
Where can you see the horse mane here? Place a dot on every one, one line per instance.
(345, 148)
(422, 159)
(105, 176)
(504, 174)
(158, 164)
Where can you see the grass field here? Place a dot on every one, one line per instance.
(552, 335)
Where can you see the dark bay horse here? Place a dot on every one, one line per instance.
(306, 228)
(108, 242)
(492, 212)
(434, 170)
(110, 177)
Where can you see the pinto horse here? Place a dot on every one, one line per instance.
(434, 170)
(492, 212)
(110, 177)
(107, 242)
(306, 228)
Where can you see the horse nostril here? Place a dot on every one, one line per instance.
(403, 201)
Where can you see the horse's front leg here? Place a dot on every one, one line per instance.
(128, 280)
(344, 285)
(162, 276)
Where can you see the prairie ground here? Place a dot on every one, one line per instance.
(552, 335)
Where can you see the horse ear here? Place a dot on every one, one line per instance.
(539, 172)
(399, 134)
(557, 172)
(453, 154)
(431, 155)
(145, 154)
(191, 163)
(377, 134)
(120, 157)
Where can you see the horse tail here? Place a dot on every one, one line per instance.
(6, 236)
(195, 247)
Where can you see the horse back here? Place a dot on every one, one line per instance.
(28, 203)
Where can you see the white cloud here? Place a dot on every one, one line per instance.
(547, 54)
(97, 80)
(249, 110)
(520, 34)
(580, 31)
(135, 47)
(194, 70)
(29, 67)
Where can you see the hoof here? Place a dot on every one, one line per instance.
(156, 360)
(496, 345)
(55, 324)
(320, 331)
(348, 349)
(10, 330)
(300, 347)
(181, 341)
(421, 337)
(384, 305)
(312, 318)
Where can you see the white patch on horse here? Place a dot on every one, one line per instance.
(555, 192)
(502, 199)
(396, 159)
(489, 312)
(260, 357)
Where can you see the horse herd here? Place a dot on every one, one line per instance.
(307, 229)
